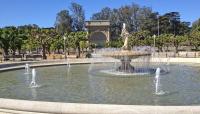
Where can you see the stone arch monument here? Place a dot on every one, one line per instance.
(99, 32)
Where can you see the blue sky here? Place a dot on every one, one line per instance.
(43, 12)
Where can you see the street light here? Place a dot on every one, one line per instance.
(171, 21)
(154, 40)
(65, 46)
(158, 25)
(154, 43)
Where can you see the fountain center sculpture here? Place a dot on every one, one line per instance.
(126, 54)
(125, 35)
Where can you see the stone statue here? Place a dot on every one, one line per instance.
(125, 35)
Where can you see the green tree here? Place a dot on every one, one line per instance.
(194, 37)
(139, 38)
(117, 43)
(74, 39)
(30, 42)
(63, 22)
(159, 42)
(137, 18)
(4, 41)
(42, 38)
(168, 40)
(178, 41)
(84, 45)
(196, 24)
(57, 43)
(78, 17)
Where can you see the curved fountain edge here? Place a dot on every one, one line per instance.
(78, 108)
(13, 66)
(24, 106)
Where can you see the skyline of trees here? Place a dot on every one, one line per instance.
(142, 23)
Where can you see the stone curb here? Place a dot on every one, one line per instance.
(78, 108)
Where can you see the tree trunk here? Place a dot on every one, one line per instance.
(19, 51)
(37, 50)
(67, 51)
(176, 49)
(82, 50)
(49, 51)
(167, 48)
(196, 48)
(13, 52)
(58, 50)
(160, 49)
(5, 51)
(79, 52)
(44, 51)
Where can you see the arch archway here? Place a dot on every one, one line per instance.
(98, 38)
(99, 31)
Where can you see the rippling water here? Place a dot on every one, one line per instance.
(76, 85)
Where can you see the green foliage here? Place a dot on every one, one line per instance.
(195, 37)
(57, 43)
(139, 38)
(179, 40)
(5, 39)
(11, 38)
(63, 22)
(74, 39)
(164, 40)
(140, 18)
(117, 43)
(78, 17)
(84, 44)
(141, 22)
(196, 24)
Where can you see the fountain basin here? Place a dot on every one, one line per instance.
(125, 53)
(125, 57)
(13, 106)
(77, 86)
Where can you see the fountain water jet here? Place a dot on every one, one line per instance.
(168, 64)
(125, 55)
(158, 90)
(157, 80)
(27, 68)
(68, 64)
(33, 83)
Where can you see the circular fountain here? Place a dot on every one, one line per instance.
(125, 55)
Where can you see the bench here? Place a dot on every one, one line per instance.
(13, 57)
(33, 57)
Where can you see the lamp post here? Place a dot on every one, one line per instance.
(158, 32)
(154, 40)
(158, 25)
(154, 43)
(65, 46)
(171, 21)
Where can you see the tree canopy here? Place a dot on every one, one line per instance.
(142, 23)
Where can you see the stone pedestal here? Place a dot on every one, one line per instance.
(126, 65)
